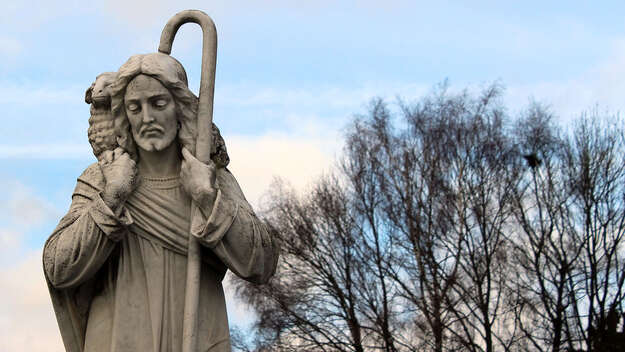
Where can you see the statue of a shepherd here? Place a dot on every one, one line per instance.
(116, 264)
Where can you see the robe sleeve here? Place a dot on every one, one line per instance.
(235, 234)
(85, 237)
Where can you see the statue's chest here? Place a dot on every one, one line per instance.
(161, 213)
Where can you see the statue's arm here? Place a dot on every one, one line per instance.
(85, 237)
(236, 235)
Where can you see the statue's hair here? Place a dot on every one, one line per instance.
(172, 76)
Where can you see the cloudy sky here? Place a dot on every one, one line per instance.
(290, 75)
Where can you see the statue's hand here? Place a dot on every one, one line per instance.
(120, 173)
(198, 179)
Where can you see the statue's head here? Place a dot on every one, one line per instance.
(152, 104)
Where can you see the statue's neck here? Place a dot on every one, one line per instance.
(163, 163)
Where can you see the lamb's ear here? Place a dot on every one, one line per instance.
(88, 93)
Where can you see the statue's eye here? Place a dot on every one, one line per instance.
(160, 103)
(133, 107)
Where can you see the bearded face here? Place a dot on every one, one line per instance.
(151, 112)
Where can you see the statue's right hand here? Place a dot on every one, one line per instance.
(120, 174)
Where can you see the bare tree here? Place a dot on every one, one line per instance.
(447, 226)
(596, 175)
(569, 244)
(312, 303)
(482, 173)
(362, 167)
(414, 197)
(546, 253)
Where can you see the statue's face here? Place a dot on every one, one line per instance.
(151, 111)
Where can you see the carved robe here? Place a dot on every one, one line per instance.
(118, 282)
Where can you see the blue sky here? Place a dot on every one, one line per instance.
(290, 75)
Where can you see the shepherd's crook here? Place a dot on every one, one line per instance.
(202, 152)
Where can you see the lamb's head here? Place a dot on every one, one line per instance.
(101, 131)
(98, 94)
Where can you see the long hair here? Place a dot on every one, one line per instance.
(172, 76)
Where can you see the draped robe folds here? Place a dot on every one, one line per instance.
(117, 282)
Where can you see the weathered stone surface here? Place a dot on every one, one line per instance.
(101, 131)
(116, 264)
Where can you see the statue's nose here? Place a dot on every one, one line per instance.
(147, 115)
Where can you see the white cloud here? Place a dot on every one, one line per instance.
(27, 321)
(142, 12)
(21, 207)
(21, 210)
(33, 93)
(298, 99)
(10, 47)
(29, 14)
(139, 13)
(239, 313)
(10, 240)
(602, 85)
(256, 161)
(25, 208)
(46, 151)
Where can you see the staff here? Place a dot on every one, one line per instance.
(203, 148)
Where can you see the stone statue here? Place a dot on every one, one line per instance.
(116, 264)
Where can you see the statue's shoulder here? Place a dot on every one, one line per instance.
(228, 183)
(227, 180)
(92, 177)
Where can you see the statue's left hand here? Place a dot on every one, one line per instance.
(198, 179)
